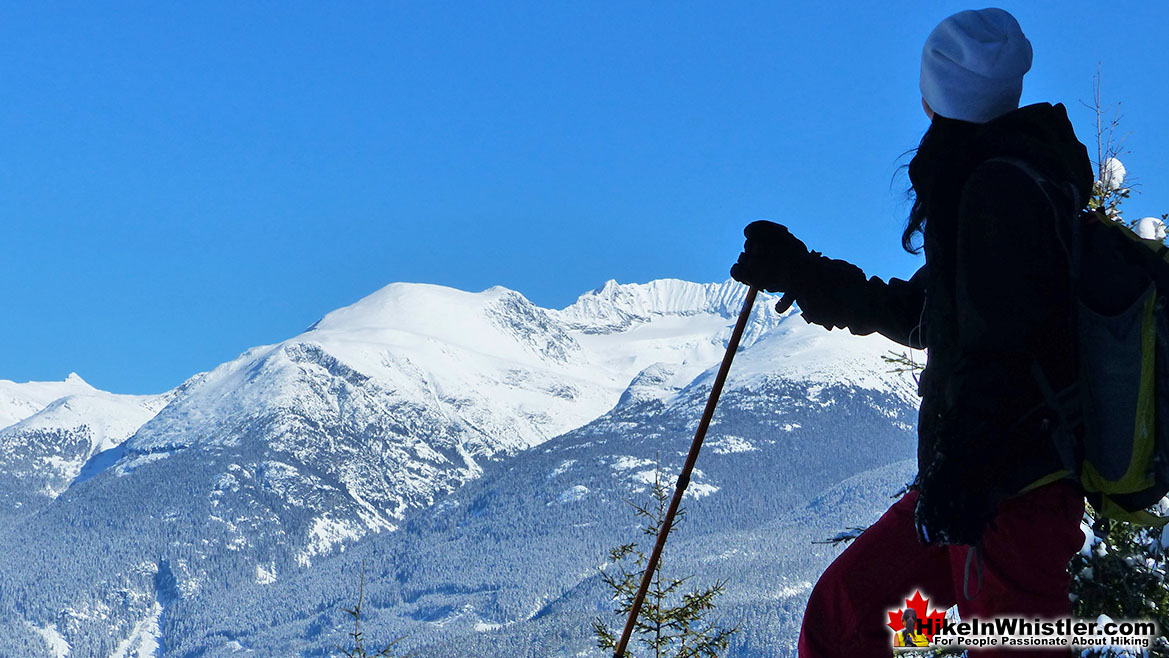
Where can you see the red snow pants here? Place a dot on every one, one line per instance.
(1025, 554)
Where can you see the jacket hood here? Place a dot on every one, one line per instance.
(1039, 134)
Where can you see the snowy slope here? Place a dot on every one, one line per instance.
(275, 461)
(801, 352)
(517, 373)
(803, 413)
(107, 418)
(675, 328)
(415, 384)
(44, 453)
(21, 400)
(383, 405)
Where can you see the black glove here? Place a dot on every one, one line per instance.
(773, 259)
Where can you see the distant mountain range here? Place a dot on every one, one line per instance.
(472, 448)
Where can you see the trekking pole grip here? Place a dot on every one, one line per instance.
(687, 468)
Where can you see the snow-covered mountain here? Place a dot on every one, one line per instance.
(516, 373)
(269, 464)
(61, 433)
(384, 404)
(813, 434)
(21, 400)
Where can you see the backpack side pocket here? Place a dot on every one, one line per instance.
(1118, 374)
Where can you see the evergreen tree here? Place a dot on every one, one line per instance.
(672, 622)
(1121, 574)
(1121, 571)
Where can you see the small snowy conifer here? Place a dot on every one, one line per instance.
(672, 622)
(1121, 570)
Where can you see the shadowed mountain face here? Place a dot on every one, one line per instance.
(474, 449)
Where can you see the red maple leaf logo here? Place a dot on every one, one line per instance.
(930, 622)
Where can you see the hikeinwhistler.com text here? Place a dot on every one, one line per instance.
(1019, 632)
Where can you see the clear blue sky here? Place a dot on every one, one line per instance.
(181, 181)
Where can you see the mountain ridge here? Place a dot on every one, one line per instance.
(281, 459)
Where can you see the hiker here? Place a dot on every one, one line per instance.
(989, 524)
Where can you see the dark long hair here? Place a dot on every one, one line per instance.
(915, 225)
(945, 148)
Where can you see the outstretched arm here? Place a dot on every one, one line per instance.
(837, 294)
(831, 293)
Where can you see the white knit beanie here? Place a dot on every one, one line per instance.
(972, 65)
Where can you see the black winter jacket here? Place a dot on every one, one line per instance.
(992, 299)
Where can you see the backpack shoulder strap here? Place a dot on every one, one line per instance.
(1066, 232)
(1070, 195)
(1065, 404)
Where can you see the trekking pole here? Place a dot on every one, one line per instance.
(684, 477)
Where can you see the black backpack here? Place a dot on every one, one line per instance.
(1113, 423)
